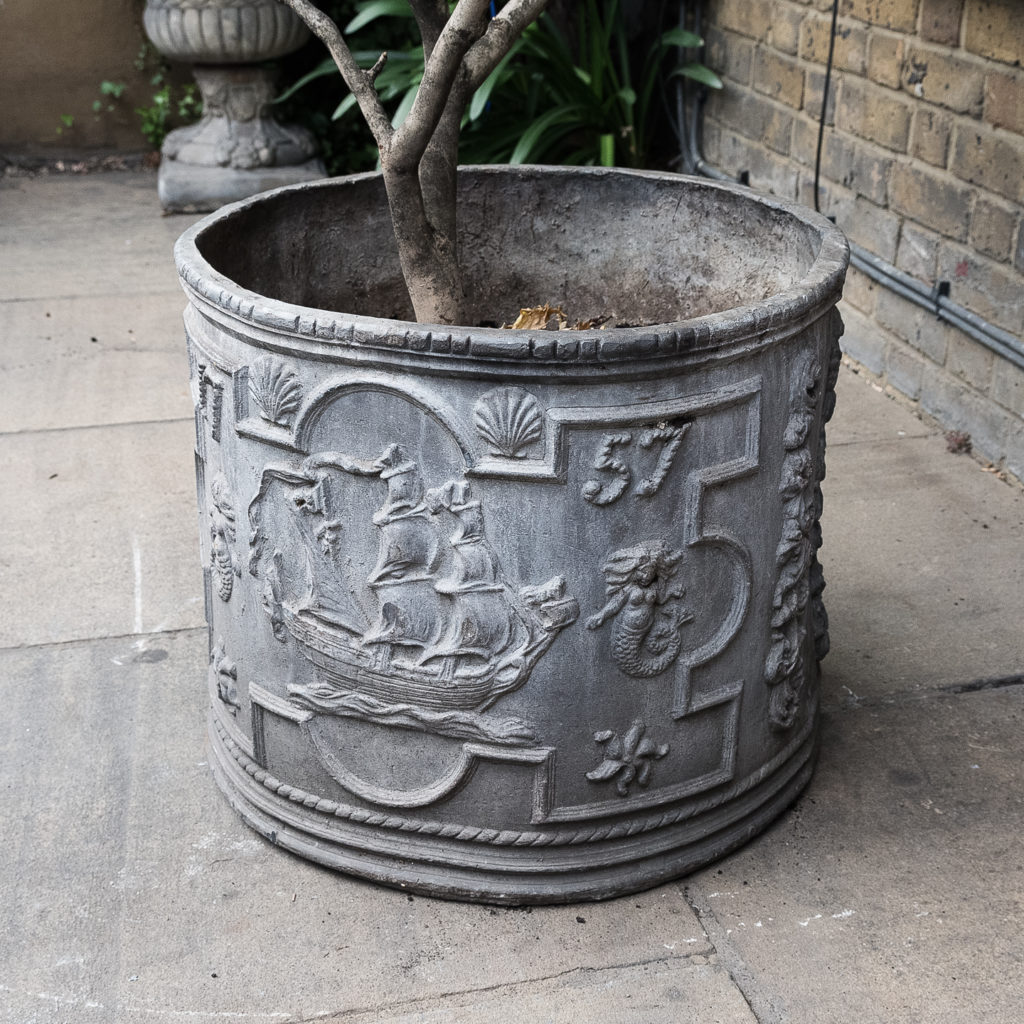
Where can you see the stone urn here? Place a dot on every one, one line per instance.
(517, 616)
(237, 149)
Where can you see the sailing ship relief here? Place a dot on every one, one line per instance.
(434, 629)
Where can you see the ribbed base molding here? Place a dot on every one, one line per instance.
(555, 869)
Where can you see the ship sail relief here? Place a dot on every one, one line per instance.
(450, 630)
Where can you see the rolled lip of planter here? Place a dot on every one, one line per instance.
(622, 522)
(787, 308)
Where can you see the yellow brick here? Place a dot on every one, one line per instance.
(994, 28)
(851, 43)
(873, 114)
(897, 14)
(990, 159)
(750, 18)
(933, 74)
(886, 53)
(929, 136)
(784, 34)
(780, 77)
(1004, 102)
(940, 21)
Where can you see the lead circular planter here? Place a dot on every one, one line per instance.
(516, 616)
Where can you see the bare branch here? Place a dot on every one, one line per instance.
(465, 26)
(504, 29)
(430, 16)
(359, 81)
(378, 66)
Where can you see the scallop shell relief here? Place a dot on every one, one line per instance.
(274, 387)
(509, 420)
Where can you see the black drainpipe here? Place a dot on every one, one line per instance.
(935, 299)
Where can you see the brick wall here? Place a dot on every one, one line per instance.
(922, 164)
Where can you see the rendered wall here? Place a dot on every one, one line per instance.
(923, 164)
(53, 56)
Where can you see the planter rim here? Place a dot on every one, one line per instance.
(778, 313)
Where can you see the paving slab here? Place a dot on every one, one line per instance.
(88, 361)
(924, 565)
(865, 413)
(670, 992)
(894, 891)
(101, 534)
(132, 892)
(93, 234)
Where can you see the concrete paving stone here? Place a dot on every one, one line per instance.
(132, 892)
(866, 415)
(674, 992)
(893, 892)
(88, 361)
(101, 533)
(924, 565)
(94, 234)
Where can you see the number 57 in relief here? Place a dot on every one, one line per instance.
(617, 457)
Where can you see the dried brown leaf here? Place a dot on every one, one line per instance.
(539, 318)
(552, 318)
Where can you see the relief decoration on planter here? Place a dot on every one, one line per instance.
(275, 388)
(819, 616)
(643, 598)
(222, 534)
(798, 487)
(226, 674)
(662, 437)
(211, 399)
(509, 420)
(436, 633)
(627, 759)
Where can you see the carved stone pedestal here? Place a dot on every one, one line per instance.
(514, 616)
(237, 149)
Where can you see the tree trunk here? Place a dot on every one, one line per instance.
(419, 158)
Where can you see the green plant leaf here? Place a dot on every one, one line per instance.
(531, 137)
(344, 107)
(378, 9)
(482, 96)
(608, 150)
(405, 106)
(699, 73)
(680, 37)
(325, 67)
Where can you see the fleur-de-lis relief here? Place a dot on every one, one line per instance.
(627, 759)
(222, 534)
(509, 420)
(275, 389)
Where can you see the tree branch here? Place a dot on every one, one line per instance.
(430, 16)
(505, 28)
(359, 81)
(465, 26)
(378, 66)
